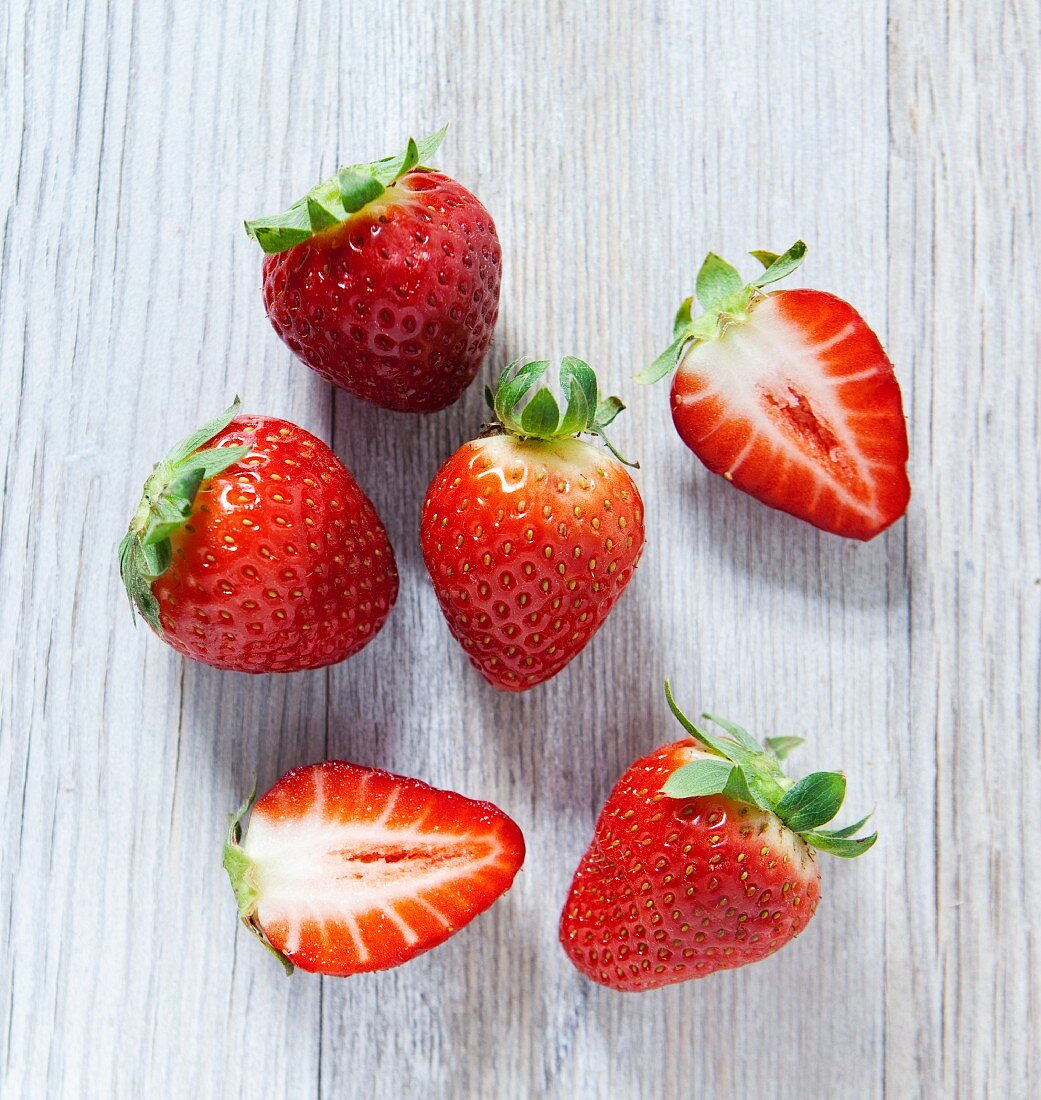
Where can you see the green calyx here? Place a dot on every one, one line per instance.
(241, 870)
(166, 504)
(741, 768)
(537, 415)
(334, 200)
(726, 300)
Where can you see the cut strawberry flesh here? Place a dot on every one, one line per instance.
(799, 406)
(357, 869)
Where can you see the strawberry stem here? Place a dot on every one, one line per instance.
(725, 300)
(537, 415)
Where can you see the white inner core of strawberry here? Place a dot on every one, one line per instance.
(313, 869)
(765, 371)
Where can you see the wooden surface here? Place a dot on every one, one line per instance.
(614, 144)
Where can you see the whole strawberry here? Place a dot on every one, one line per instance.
(346, 869)
(702, 860)
(254, 549)
(790, 396)
(385, 280)
(529, 533)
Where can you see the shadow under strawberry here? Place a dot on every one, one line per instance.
(766, 547)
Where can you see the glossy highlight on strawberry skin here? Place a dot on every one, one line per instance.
(283, 565)
(397, 304)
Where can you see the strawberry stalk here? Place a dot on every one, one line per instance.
(242, 872)
(725, 299)
(743, 769)
(166, 504)
(539, 416)
(333, 201)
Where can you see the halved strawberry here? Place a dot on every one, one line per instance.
(346, 869)
(790, 396)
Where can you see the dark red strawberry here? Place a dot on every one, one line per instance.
(530, 534)
(385, 280)
(790, 396)
(346, 869)
(702, 860)
(254, 549)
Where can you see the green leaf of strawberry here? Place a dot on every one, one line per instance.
(839, 846)
(334, 200)
(779, 266)
(813, 801)
(166, 505)
(749, 772)
(779, 747)
(538, 416)
(699, 778)
(358, 187)
(763, 256)
(717, 280)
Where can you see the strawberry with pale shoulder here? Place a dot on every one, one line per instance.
(703, 859)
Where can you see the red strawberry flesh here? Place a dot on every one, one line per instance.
(798, 405)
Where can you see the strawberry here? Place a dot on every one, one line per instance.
(254, 549)
(530, 534)
(790, 396)
(385, 280)
(702, 860)
(346, 869)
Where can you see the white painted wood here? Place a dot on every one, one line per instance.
(614, 143)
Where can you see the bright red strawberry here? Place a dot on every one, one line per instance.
(385, 280)
(702, 860)
(790, 396)
(254, 549)
(530, 534)
(346, 869)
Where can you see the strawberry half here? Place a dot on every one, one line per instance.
(346, 869)
(254, 549)
(385, 280)
(529, 534)
(790, 396)
(702, 860)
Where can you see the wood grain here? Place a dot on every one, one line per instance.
(614, 144)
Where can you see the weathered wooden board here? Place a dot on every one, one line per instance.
(614, 143)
